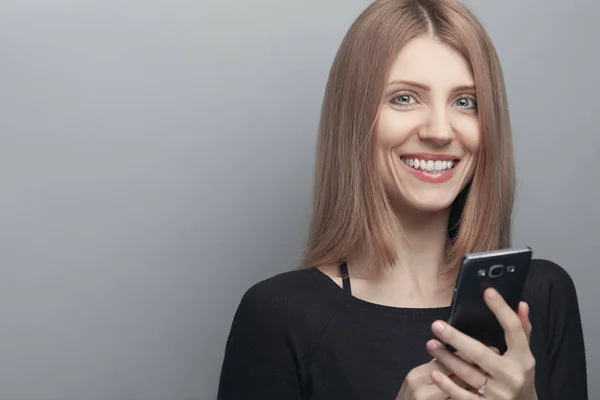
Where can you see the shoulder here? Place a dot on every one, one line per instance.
(293, 300)
(548, 276)
(293, 287)
(275, 332)
(550, 289)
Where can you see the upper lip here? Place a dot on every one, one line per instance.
(430, 156)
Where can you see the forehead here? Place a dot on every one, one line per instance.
(433, 63)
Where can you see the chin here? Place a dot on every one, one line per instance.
(429, 202)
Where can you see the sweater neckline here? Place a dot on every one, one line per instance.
(428, 313)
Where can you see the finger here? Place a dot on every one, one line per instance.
(437, 365)
(459, 382)
(468, 373)
(450, 388)
(523, 313)
(420, 376)
(516, 339)
(471, 350)
(466, 359)
(430, 392)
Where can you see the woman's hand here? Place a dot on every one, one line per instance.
(418, 384)
(510, 376)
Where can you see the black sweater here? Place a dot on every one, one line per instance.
(298, 335)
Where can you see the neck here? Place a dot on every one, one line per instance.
(422, 250)
(415, 278)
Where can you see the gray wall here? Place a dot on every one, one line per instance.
(155, 161)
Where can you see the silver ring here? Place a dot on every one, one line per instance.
(481, 390)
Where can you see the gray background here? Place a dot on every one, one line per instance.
(156, 157)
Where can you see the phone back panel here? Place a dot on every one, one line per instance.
(469, 313)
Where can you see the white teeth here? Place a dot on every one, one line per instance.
(429, 165)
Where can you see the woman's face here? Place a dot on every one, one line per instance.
(428, 132)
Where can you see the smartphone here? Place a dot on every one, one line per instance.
(506, 271)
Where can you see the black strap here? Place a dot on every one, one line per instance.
(345, 277)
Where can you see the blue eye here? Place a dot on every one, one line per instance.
(467, 102)
(404, 100)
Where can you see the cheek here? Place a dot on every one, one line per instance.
(393, 129)
(389, 134)
(469, 134)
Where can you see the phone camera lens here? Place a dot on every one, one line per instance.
(496, 271)
(510, 268)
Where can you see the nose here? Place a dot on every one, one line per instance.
(437, 129)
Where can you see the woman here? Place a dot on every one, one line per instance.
(414, 170)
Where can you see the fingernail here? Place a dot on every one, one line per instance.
(438, 327)
(431, 345)
(492, 294)
(436, 376)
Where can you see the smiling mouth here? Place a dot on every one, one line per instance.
(430, 166)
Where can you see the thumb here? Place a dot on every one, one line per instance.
(523, 313)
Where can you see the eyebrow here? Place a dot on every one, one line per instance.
(427, 88)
